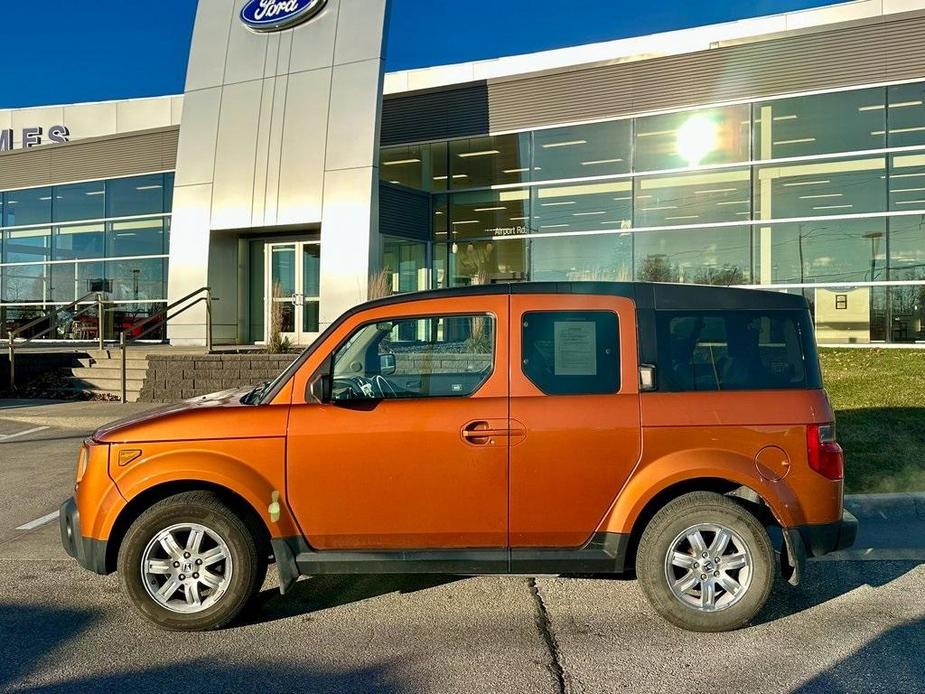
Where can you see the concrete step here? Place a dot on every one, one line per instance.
(132, 361)
(105, 382)
(115, 354)
(109, 372)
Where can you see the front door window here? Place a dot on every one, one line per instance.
(293, 289)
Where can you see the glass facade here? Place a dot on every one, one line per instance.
(820, 194)
(59, 243)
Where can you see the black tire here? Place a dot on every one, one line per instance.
(658, 539)
(248, 560)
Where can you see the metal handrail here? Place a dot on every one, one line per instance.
(163, 316)
(51, 317)
(152, 322)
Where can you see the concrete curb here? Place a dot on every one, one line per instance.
(887, 507)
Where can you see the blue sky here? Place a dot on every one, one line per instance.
(77, 50)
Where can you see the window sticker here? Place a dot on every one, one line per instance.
(575, 348)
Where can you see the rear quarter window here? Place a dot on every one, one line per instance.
(736, 350)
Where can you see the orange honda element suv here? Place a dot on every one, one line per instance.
(562, 428)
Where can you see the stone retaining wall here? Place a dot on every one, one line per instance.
(173, 377)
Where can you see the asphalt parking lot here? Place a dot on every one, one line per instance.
(857, 624)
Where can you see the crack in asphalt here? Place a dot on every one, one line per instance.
(544, 625)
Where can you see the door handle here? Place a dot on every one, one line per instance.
(480, 433)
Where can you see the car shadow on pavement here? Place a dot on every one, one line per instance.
(325, 592)
(828, 580)
(891, 662)
(209, 676)
(30, 636)
(30, 632)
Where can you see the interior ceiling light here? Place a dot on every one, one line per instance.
(822, 195)
(910, 202)
(152, 187)
(796, 141)
(715, 190)
(894, 131)
(792, 116)
(589, 214)
(906, 190)
(483, 153)
(568, 143)
(398, 162)
(489, 209)
(898, 104)
(806, 183)
(557, 204)
(598, 162)
(696, 138)
(832, 207)
(513, 171)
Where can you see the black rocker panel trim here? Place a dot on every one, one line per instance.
(605, 553)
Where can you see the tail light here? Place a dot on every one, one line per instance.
(825, 455)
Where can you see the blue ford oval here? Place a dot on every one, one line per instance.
(276, 15)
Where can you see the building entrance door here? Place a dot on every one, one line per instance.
(291, 293)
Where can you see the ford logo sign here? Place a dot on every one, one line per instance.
(276, 15)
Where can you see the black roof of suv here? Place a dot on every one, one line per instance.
(645, 294)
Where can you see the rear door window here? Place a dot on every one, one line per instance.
(572, 352)
(736, 350)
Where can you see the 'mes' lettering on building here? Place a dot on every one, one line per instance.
(34, 136)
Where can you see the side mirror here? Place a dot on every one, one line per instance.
(387, 364)
(319, 388)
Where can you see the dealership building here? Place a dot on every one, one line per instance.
(295, 177)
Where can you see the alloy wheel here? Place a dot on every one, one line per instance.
(186, 568)
(708, 567)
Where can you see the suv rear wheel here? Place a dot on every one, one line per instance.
(189, 563)
(705, 563)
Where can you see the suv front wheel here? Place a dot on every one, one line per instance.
(189, 563)
(705, 563)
